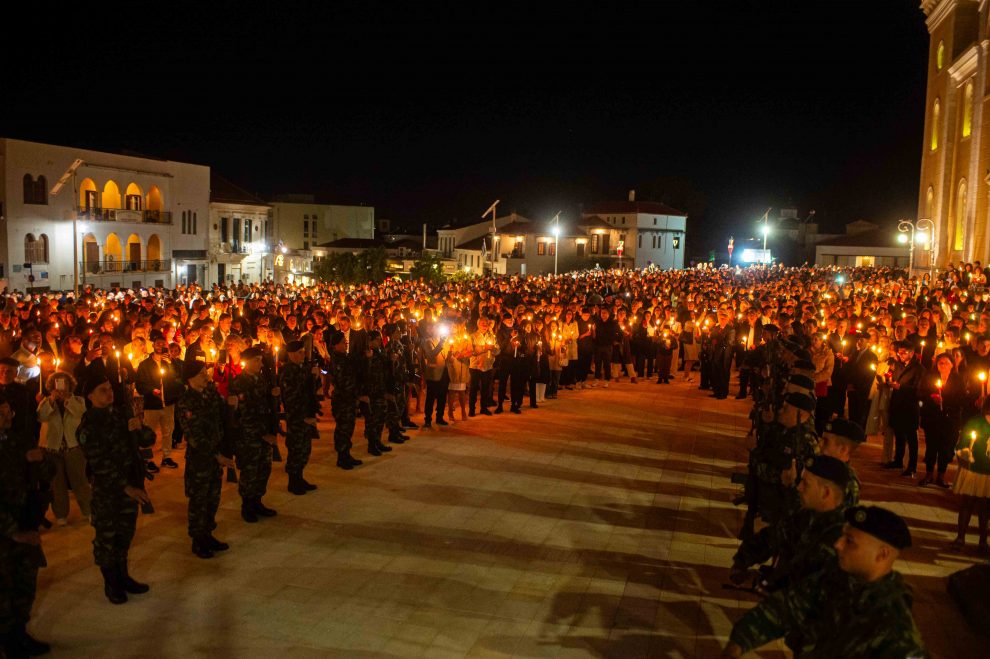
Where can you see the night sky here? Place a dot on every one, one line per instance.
(431, 115)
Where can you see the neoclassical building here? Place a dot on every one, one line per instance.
(955, 162)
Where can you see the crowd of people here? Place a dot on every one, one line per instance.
(97, 390)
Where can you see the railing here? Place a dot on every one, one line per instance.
(124, 215)
(111, 266)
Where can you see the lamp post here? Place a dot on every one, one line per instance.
(556, 240)
(765, 230)
(914, 232)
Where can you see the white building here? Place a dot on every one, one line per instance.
(449, 237)
(301, 223)
(130, 213)
(651, 233)
(240, 235)
(866, 244)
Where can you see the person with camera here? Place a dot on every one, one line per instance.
(61, 411)
(111, 440)
(21, 465)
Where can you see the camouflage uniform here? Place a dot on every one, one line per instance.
(112, 455)
(372, 385)
(254, 454)
(772, 455)
(396, 378)
(296, 387)
(838, 615)
(201, 418)
(19, 562)
(343, 400)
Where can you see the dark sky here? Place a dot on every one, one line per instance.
(723, 108)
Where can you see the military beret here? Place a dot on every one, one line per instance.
(881, 523)
(294, 346)
(252, 352)
(831, 469)
(336, 338)
(846, 429)
(800, 401)
(802, 381)
(92, 383)
(191, 368)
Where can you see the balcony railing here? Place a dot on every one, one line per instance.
(124, 215)
(112, 266)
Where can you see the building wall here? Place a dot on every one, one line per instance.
(294, 223)
(256, 264)
(173, 186)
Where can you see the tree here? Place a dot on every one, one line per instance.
(350, 268)
(428, 267)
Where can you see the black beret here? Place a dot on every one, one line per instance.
(191, 368)
(846, 429)
(881, 523)
(294, 346)
(831, 469)
(800, 401)
(802, 381)
(252, 352)
(93, 382)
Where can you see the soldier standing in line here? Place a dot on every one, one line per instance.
(396, 377)
(861, 609)
(251, 394)
(201, 417)
(343, 401)
(109, 438)
(372, 388)
(300, 416)
(20, 542)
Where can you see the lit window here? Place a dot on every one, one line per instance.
(967, 110)
(940, 56)
(541, 248)
(936, 116)
(957, 237)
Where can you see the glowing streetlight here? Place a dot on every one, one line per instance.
(556, 240)
(921, 232)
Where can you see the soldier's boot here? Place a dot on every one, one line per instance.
(351, 459)
(112, 586)
(373, 448)
(262, 509)
(295, 484)
(130, 585)
(248, 513)
(201, 547)
(27, 644)
(382, 447)
(305, 483)
(344, 462)
(397, 438)
(215, 544)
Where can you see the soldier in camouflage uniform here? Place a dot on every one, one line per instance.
(860, 609)
(110, 438)
(343, 401)
(373, 389)
(839, 440)
(251, 393)
(201, 411)
(300, 416)
(396, 379)
(802, 541)
(20, 544)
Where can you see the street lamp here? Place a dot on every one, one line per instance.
(765, 230)
(556, 240)
(912, 233)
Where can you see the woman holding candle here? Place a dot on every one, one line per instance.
(973, 479)
(458, 369)
(570, 332)
(944, 397)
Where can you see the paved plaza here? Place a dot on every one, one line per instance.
(599, 525)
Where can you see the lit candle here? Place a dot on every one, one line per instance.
(161, 380)
(938, 383)
(116, 354)
(983, 382)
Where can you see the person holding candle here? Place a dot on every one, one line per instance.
(905, 380)
(944, 399)
(60, 413)
(458, 370)
(484, 354)
(250, 397)
(433, 354)
(161, 385)
(972, 484)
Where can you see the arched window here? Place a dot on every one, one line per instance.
(89, 198)
(28, 189)
(29, 246)
(111, 195)
(940, 56)
(35, 191)
(936, 116)
(43, 249)
(957, 234)
(35, 249)
(133, 197)
(967, 110)
(930, 203)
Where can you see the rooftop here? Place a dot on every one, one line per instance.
(645, 207)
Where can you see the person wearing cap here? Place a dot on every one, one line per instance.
(372, 390)
(343, 400)
(860, 375)
(802, 540)
(201, 415)
(396, 384)
(20, 542)
(300, 416)
(251, 393)
(109, 437)
(862, 608)
(905, 381)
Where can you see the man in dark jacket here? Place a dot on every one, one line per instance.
(860, 372)
(161, 385)
(905, 379)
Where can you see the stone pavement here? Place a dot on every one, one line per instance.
(600, 525)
